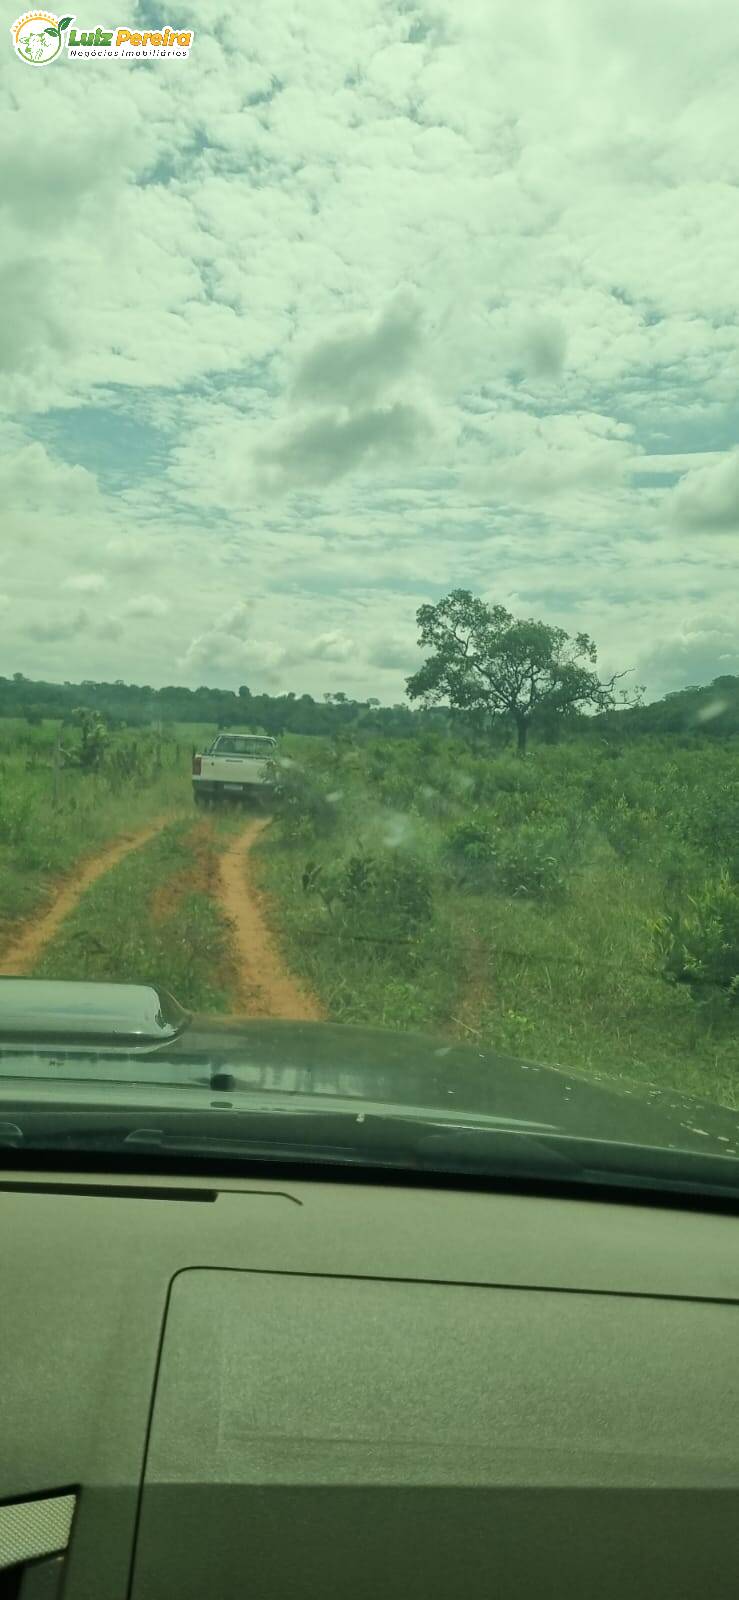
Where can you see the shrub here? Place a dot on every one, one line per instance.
(469, 853)
(379, 893)
(712, 822)
(532, 864)
(626, 827)
(88, 752)
(301, 801)
(700, 946)
(391, 890)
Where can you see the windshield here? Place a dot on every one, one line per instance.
(370, 414)
(243, 747)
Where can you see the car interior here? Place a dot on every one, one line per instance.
(217, 1384)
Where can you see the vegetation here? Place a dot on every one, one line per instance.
(709, 712)
(137, 706)
(486, 663)
(57, 804)
(580, 908)
(153, 919)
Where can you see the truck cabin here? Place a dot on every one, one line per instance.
(244, 744)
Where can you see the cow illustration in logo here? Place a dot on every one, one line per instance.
(37, 36)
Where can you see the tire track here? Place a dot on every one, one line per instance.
(268, 988)
(20, 956)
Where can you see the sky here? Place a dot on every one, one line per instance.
(360, 304)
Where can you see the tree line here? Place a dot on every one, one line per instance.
(486, 674)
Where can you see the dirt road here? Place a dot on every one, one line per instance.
(21, 955)
(269, 991)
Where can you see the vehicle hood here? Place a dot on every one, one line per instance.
(138, 1034)
(411, 1071)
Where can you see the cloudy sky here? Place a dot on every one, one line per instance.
(361, 303)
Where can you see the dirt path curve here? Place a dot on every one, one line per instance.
(277, 994)
(20, 956)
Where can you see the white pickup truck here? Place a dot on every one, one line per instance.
(235, 763)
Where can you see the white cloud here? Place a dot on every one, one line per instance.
(145, 605)
(86, 583)
(394, 654)
(330, 647)
(368, 304)
(702, 648)
(32, 480)
(129, 555)
(707, 498)
(54, 627)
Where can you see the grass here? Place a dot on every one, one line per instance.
(153, 919)
(539, 938)
(50, 820)
(414, 884)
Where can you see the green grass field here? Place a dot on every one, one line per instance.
(52, 816)
(538, 907)
(154, 919)
(580, 907)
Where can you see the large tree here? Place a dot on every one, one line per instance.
(484, 660)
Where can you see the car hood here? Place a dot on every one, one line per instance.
(138, 1034)
(412, 1071)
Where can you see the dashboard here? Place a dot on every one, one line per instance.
(295, 1387)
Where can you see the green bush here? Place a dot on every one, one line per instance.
(626, 827)
(700, 946)
(301, 800)
(389, 890)
(532, 864)
(712, 822)
(469, 853)
(374, 893)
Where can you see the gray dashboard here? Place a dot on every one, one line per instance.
(294, 1388)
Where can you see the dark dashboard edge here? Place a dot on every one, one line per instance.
(214, 1175)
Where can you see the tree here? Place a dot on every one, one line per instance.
(485, 660)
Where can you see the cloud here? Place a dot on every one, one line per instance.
(30, 324)
(530, 458)
(703, 648)
(86, 583)
(228, 648)
(329, 447)
(329, 647)
(543, 346)
(129, 555)
(352, 369)
(707, 498)
(145, 605)
(417, 307)
(55, 628)
(48, 180)
(389, 653)
(34, 480)
(230, 657)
